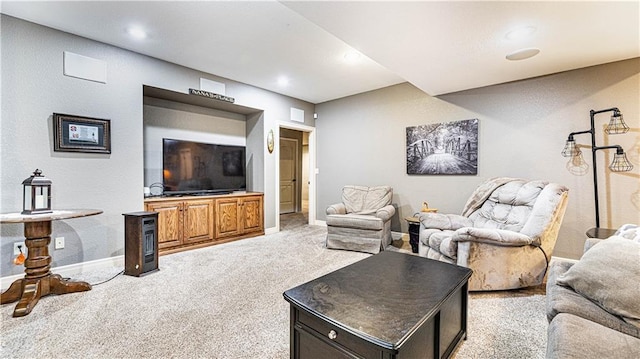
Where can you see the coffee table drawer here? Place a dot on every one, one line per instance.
(335, 337)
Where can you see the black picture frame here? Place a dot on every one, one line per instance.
(73, 133)
(447, 148)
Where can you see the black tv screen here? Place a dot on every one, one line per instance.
(198, 168)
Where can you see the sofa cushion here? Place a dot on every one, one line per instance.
(607, 274)
(561, 299)
(360, 221)
(366, 200)
(569, 336)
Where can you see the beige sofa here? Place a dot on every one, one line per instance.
(593, 306)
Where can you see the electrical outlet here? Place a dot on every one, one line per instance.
(59, 243)
(16, 251)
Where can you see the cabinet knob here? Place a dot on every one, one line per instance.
(332, 334)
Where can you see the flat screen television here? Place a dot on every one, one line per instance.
(202, 168)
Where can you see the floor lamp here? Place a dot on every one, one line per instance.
(619, 164)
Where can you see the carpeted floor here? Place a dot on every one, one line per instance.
(226, 301)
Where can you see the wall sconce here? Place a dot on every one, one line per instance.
(36, 194)
(619, 164)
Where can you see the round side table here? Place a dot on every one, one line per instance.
(38, 280)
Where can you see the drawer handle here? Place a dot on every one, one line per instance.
(332, 335)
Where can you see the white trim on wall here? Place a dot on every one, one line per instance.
(72, 270)
(563, 259)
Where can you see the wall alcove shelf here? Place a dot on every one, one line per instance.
(155, 92)
(190, 222)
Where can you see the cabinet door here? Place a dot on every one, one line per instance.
(169, 223)
(198, 221)
(252, 214)
(227, 217)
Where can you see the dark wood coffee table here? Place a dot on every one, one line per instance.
(390, 305)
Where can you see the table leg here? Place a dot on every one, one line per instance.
(30, 296)
(57, 285)
(414, 234)
(38, 280)
(13, 293)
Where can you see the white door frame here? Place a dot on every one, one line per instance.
(312, 168)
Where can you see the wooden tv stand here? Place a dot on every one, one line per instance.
(189, 222)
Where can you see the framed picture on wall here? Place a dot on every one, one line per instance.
(448, 148)
(81, 134)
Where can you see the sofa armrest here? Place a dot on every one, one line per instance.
(385, 213)
(444, 221)
(590, 242)
(499, 237)
(337, 208)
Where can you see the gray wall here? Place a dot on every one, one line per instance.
(522, 129)
(34, 87)
(167, 119)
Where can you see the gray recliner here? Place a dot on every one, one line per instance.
(362, 221)
(506, 233)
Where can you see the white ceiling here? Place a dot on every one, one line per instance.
(440, 47)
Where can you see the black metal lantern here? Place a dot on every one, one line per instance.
(36, 195)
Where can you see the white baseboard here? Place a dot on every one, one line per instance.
(562, 259)
(321, 223)
(270, 230)
(73, 269)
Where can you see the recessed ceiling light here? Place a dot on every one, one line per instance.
(520, 33)
(283, 81)
(137, 33)
(523, 54)
(352, 56)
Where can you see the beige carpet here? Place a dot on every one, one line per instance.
(226, 301)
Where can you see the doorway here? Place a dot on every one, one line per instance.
(289, 154)
(296, 203)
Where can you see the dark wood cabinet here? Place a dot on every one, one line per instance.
(416, 310)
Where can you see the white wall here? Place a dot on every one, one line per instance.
(34, 87)
(523, 127)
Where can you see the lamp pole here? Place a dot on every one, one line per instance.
(595, 148)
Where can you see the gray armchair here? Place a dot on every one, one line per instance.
(362, 221)
(506, 233)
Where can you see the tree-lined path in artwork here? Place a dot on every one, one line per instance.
(444, 163)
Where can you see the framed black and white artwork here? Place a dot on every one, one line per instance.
(449, 148)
